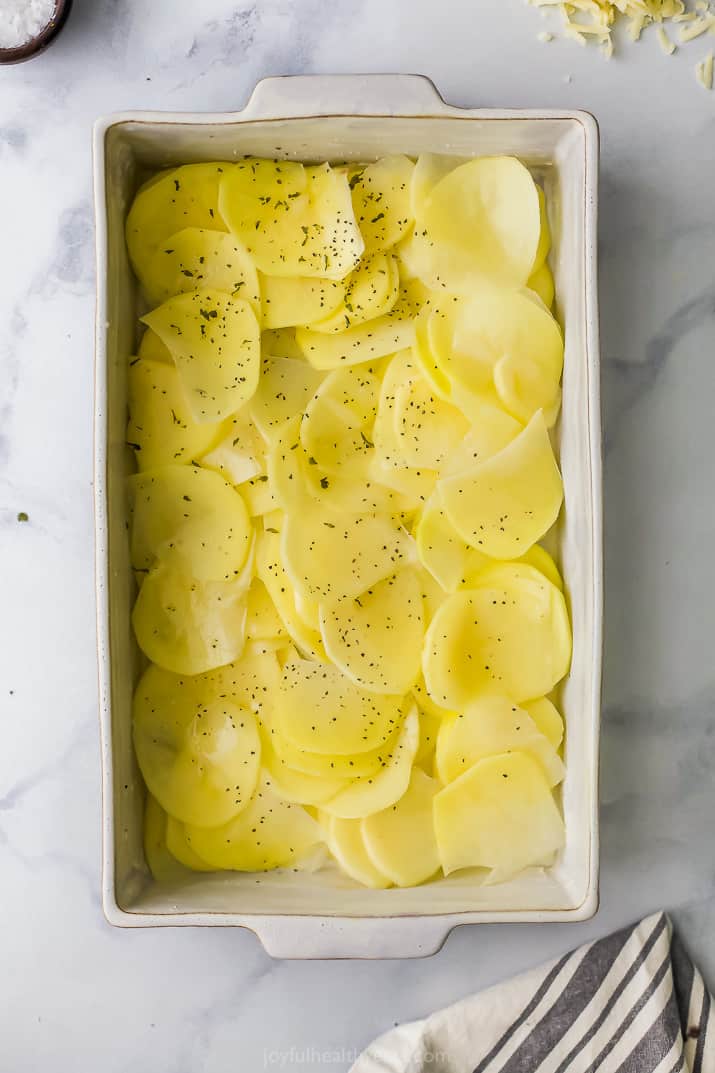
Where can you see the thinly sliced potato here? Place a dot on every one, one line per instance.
(280, 343)
(162, 864)
(346, 844)
(542, 250)
(270, 569)
(363, 797)
(504, 505)
(241, 454)
(194, 258)
(547, 718)
(251, 682)
(510, 635)
(540, 559)
(426, 704)
(308, 610)
(291, 300)
(429, 729)
(199, 754)
(293, 220)
(284, 390)
(184, 197)
(214, 341)
(371, 290)
(381, 200)
(151, 348)
(427, 428)
(363, 343)
(489, 726)
(335, 426)
(429, 169)
(294, 785)
(179, 847)
(161, 427)
(376, 638)
(190, 516)
(442, 551)
(500, 815)
(355, 766)
(263, 622)
(541, 282)
(400, 840)
(389, 466)
(258, 496)
(268, 833)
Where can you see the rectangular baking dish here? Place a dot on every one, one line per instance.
(337, 118)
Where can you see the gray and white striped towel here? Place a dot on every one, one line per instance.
(630, 1003)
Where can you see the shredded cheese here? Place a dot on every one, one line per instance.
(704, 72)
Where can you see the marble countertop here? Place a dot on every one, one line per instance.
(77, 995)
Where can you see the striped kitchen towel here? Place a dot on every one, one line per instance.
(631, 1003)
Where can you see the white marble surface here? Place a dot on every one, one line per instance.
(75, 994)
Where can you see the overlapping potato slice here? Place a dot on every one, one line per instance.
(270, 569)
(541, 282)
(199, 754)
(321, 711)
(195, 258)
(364, 796)
(162, 864)
(151, 348)
(427, 429)
(337, 420)
(191, 516)
(161, 427)
(280, 343)
(510, 634)
(350, 766)
(482, 221)
(241, 454)
(547, 718)
(376, 638)
(184, 197)
(488, 726)
(542, 250)
(214, 341)
(284, 389)
(429, 169)
(258, 496)
(293, 220)
(328, 556)
(291, 300)
(178, 846)
(429, 729)
(499, 815)
(362, 343)
(268, 833)
(505, 504)
(381, 200)
(540, 559)
(251, 681)
(297, 786)
(347, 845)
(442, 551)
(263, 622)
(400, 840)
(371, 290)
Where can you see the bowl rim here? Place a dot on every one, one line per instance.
(41, 41)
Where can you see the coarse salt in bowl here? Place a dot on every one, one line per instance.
(28, 26)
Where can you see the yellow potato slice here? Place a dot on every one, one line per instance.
(429, 729)
(489, 726)
(492, 430)
(541, 282)
(194, 258)
(198, 753)
(427, 429)
(251, 682)
(376, 638)
(162, 864)
(505, 504)
(500, 815)
(540, 559)
(484, 221)
(400, 840)
(371, 290)
(258, 496)
(263, 622)
(542, 250)
(510, 635)
(346, 844)
(293, 220)
(280, 343)
(268, 833)
(284, 390)
(381, 200)
(241, 454)
(321, 711)
(442, 551)
(214, 341)
(433, 595)
(294, 785)
(270, 569)
(355, 766)
(426, 704)
(547, 718)
(189, 626)
(366, 342)
(151, 348)
(161, 428)
(388, 465)
(180, 849)
(328, 555)
(291, 300)
(334, 429)
(429, 169)
(184, 197)
(191, 516)
(308, 610)
(363, 797)
(412, 486)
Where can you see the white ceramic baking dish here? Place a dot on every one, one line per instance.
(351, 118)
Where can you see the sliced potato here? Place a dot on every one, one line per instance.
(199, 754)
(488, 726)
(321, 711)
(263, 622)
(540, 559)
(542, 250)
(291, 300)
(190, 516)
(251, 682)
(381, 200)
(296, 786)
(426, 704)
(376, 638)
(400, 840)
(429, 729)
(195, 258)
(371, 290)
(280, 343)
(504, 505)
(429, 169)
(241, 455)
(258, 496)
(270, 569)
(183, 197)
(268, 833)
(363, 343)
(427, 428)
(151, 348)
(189, 626)
(180, 849)
(547, 718)
(161, 427)
(308, 610)
(442, 551)
(541, 282)
(162, 864)
(509, 635)
(293, 220)
(355, 766)
(285, 388)
(346, 844)
(363, 797)
(500, 815)
(337, 420)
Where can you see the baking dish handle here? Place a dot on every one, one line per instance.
(301, 95)
(324, 938)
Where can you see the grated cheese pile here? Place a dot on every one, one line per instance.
(595, 20)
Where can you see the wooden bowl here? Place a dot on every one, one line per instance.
(40, 42)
